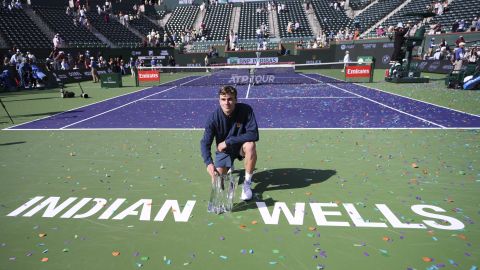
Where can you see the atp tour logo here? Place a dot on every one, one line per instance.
(346, 214)
(256, 79)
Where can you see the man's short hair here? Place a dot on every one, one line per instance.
(228, 90)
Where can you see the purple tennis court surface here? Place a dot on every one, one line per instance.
(315, 105)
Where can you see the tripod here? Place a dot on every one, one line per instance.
(5, 108)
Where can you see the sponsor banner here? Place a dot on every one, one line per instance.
(358, 72)
(434, 66)
(251, 61)
(73, 76)
(148, 76)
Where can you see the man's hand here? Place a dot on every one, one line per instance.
(222, 146)
(211, 170)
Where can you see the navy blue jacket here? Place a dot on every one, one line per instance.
(235, 130)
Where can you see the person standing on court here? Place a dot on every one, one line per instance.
(235, 129)
(346, 60)
(94, 69)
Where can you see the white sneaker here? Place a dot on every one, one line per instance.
(246, 191)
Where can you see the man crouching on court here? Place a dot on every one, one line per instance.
(235, 130)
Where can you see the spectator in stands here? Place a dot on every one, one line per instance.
(57, 41)
(48, 64)
(94, 69)
(455, 26)
(32, 59)
(444, 43)
(473, 25)
(297, 26)
(477, 24)
(461, 26)
(290, 27)
(472, 55)
(380, 31)
(64, 64)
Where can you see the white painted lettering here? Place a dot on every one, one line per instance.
(319, 215)
(396, 223)
(455, 224)
(296, 219)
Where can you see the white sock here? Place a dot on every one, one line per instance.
(248, 178)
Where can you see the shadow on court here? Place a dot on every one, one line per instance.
(12, 143)
(280, 179)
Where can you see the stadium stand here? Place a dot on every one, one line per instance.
(359, 4)
(418, 6)
(294, 13)
(251, 19)
(374, 13)
(458, 10)
(75, 36)
(217, 21)
(144, 26)
(114, 31)
(182, 19)
(330, 20)
(18, 29)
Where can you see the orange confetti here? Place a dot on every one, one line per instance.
(41, 235)
(450, 200)
(462, 236)
(308, 193)
(115, 253)
(431, 232)
(386, 238)
(242, 226)
(414, 181)
(414, 165)
(44, 259)
(312, 229)
(426, 259)
(254, 222)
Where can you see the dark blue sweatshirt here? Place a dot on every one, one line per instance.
(235, 130)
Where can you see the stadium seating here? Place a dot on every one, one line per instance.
(294, 13)
(114, 31)
(250, 20)
(418, 6)
(458, 10)
(217, 21)
(18, 29)
(359, 4)
(330, 20)
(145, 26)
(182, 18)
(375, 12)
(59, 22)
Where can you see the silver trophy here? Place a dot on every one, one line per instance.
(223, 193)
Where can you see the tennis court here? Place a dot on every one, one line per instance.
(294, 100)
(383, 175)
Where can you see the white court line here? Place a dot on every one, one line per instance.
(398, 95)
(126, 104)
(379, 103)
(248, 90)
(260, 98)
(264, 129)
(11, 128)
